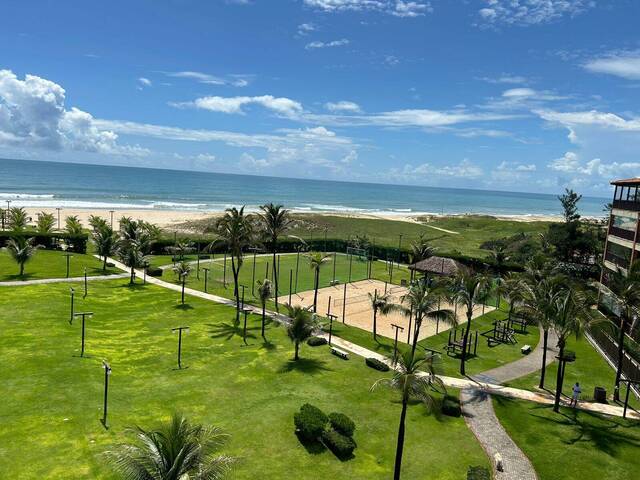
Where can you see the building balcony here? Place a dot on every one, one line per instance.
(622, 233)
(616, 260)
(627, 205)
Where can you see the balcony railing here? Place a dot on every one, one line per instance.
(622, 233)
(627, 205)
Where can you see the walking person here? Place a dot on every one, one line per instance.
(576, 394)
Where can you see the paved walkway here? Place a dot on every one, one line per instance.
(41, 281)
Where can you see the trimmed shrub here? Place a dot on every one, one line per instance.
(451, 406)
(341, 445)
(154, 271)
(478, 473)
(377, 364)
(316, 341)
(310, 421)
(342, 424)
(111, 264)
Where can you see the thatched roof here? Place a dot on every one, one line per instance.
(437, 265)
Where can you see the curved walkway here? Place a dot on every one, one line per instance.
(41, 281)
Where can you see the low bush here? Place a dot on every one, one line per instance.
(310, 422)
(377, 364)
(316, 341)
(154, 271)
(478, 473)
(341, 445)
(342, 424)
(111, 264)
(451, 406)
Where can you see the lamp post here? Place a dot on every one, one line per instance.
(331, 317)
(83, 315)
(86, 286)
(107, 374)
(111, 212)
(395, 343)
(68, 255)
(180, 330)
(399, 249)
(206, 275)
(8, 209)
(253, 272)
(58, 210)
(71, 316)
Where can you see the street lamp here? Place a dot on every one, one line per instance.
(58, 210)
(107, 374)
(71, 316)
(331, 317)
(68, 255)
(180, 330)
(111, 212)
(83, 315)
(206, 275)
(395, 343)
(86, 289)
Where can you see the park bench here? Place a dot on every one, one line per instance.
(526, 349)
(333, 283)
(340, 353)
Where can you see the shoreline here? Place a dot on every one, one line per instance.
(167, 218)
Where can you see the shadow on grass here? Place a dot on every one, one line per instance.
(227, 330)
(17, 277)
(314, 447)
(268, 345)
(183, 306)
(305, 365)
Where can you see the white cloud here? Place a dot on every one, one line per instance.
(280, 105)
(306, 28)
(208, 79)
(144, 82)
(505, 79)
(398, 8)
(410, 9)
(33, 115)
(426, 171)
(592, 118)
(516, 167)
(621, 64)
(343, 106)
(334, 43)
(530, 12)
(570, 163)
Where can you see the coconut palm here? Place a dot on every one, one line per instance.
(180, 249)
(140, 232)
(316, 261)
(182, 271)
(176, 450)
(275, 221)
(499, 256)
(264, 293)
(570, 314)
(420, 249)
(423, 302)
(415, 379)
(45, 223)
(18, 218)
(303, 324)
(510, 287)
(73, 226)
(131, 254)
(235, 230)
(96, 222)
(468, 289)
(380, 304)
(106, 242)
(21, 250)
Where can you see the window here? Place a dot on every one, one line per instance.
(624, 222)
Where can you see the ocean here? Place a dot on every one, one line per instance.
(67, 185)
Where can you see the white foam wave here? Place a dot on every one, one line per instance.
(23, 196)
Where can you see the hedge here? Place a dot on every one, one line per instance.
(377, 364)
(154, 271)
(316, 341)
(342, 424)
(75, 243)
(451, 406)
(341, 445)
(478, 473)
(310, 422)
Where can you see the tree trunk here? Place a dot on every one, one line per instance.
(295, 356)
(616, 390)
(133, 273)
(465, 340)
(559, 377)
(104, 264)
(236, 288)
(416, 334)
(400, 443)
(182, 296)
(543, 369)
(275, 277)
(264, 306)
(375, 315)
(21, 269)
(315, 293)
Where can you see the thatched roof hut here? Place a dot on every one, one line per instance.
(437, 266)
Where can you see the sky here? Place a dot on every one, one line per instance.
(518, 95)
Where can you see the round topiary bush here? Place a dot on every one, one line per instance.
(310, 422)
(342, 424)
(451, 406)
(111, 264)
(154, 271)
(316, 341)
(377, 364)
(341, 445)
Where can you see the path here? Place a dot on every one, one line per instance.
(441, 229)
(41, 281)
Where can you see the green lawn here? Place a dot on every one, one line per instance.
(571, 444)
(52, 398)
(51, 264)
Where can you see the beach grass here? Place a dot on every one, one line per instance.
(52, 398)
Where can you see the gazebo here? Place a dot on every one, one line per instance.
(434, 265)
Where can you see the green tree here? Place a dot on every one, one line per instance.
(414, 379)
(106, 242)
(182, 271)
(73, 226)
(569, 201)
(264, 293)
(131, 254)
(316, 261)
(380, 304)
(21, 250)
(275, 221)
(18, 219)
(511, 288)
(96, 222)
(181, 249)
(175, 450)
(420, 249)
(144, 234)
(45, 223)
(303, 324)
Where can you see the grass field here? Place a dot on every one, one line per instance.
(51, 264)
(572, 444)
(52, 399)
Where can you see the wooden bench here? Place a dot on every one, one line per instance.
(340, 353)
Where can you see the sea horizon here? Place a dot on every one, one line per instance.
(52, 184)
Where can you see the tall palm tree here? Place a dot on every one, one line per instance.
(316, 261)
(382, 304)
(21, 250)
(415, 379)
(176, 450)
(423, 302)
(570, 315)
(235, 230)
(182, 271)
(45, 223)
(303, 324)
(106, 242)
(144, 234)
(468, 289)
(499, 256)
(420, 249)
(73, 226)
(264, 293)
(18, 218)
(131, 254)
(180, 249)
(275, 221)
(96, 222)
(510, 287)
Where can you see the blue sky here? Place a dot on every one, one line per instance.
(523, 95)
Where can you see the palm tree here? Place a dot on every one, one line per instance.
(570, 314)
(275, 221)
(132, 256)
(17, 218)
(423, 302)
(414, 379)
(235, 230)
(468, 289)
(176, 450)
(182, 271)
(264, 293)
(140, 232)
(316, 261)
(420, 249)
(96, 222)
(499, 256)
(180, 249)
(382, 304)
(303, 324)
(511, 288)
(73, 226)
(106, 242)
(45, 223)
(21, 250)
